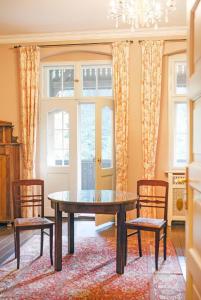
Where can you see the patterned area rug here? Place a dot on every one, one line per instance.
(90, 273)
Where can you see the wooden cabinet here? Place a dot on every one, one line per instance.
(9, 169)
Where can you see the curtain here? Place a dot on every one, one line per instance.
(29, 83)
(152, 52)
(120, 53)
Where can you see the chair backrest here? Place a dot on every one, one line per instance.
(152, 193)
(28, 194)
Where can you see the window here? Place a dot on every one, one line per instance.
(180, 84)
(107, 137)
(180, 134)
(178, 112)
(59, 81)
(58, 138)
(92, 80)
(65, 86)
(97, 80)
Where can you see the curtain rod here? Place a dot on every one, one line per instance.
(73, 44)
(167, 40)
(93, 43)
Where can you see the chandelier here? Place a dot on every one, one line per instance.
(141, 13)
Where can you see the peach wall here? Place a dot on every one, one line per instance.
(9, 89)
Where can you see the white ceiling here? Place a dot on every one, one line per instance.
(18, 17)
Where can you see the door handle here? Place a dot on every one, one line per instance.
(99, 160)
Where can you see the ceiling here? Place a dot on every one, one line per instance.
(23, 17)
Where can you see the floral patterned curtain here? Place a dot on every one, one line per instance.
(29, 80)
(120, 52)
(152, 52)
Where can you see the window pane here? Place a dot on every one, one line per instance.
(58, 120)
(65, 139)
(58, 138)
(87, 145)
(107, 136)
(66, 121)
(87, 131)
(181, 134)
(68, 83)
(97, 80)
(66, 157)
(58, 157)
(104, 81)
(60, 81)
(181, 78)
(55, 82)
(89, 81)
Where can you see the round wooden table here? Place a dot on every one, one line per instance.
(91, 201)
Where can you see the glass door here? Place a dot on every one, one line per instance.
(104, 152)
(87, 146)
(95, 146)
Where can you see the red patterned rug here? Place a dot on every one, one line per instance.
(90, 273)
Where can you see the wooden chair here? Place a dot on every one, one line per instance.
(29, 194)
(150, 224)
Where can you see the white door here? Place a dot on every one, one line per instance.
(193, 228)
(58, 161)
(104, 145)
(96, 164)
(76, 128)
(105, 152)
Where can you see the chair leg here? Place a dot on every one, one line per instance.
(157, 238)
(139, 242)
(18, 248)
(51, 244)
(41, 242)
(15, 243)
(126, 249)
(165, 243)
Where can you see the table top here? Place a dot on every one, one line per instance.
(95, 197)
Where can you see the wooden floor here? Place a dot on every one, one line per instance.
(87, 229)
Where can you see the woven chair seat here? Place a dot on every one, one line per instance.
(147, 222)
(32, 221)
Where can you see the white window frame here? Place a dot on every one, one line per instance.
(53, 130)
(66, 177)
(45, 82)
(77, 74)
(173, 98)
(68, 102)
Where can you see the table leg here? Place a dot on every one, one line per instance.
(121, 239)
(58, 238)
(71, 233)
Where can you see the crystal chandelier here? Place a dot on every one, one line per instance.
(141, 13)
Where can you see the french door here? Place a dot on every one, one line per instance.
(76, 129)
(96, 164)
(77, 147)
(58, 148)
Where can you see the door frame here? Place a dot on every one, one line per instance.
(70, 103)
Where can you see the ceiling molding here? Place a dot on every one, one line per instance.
(95, 35)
